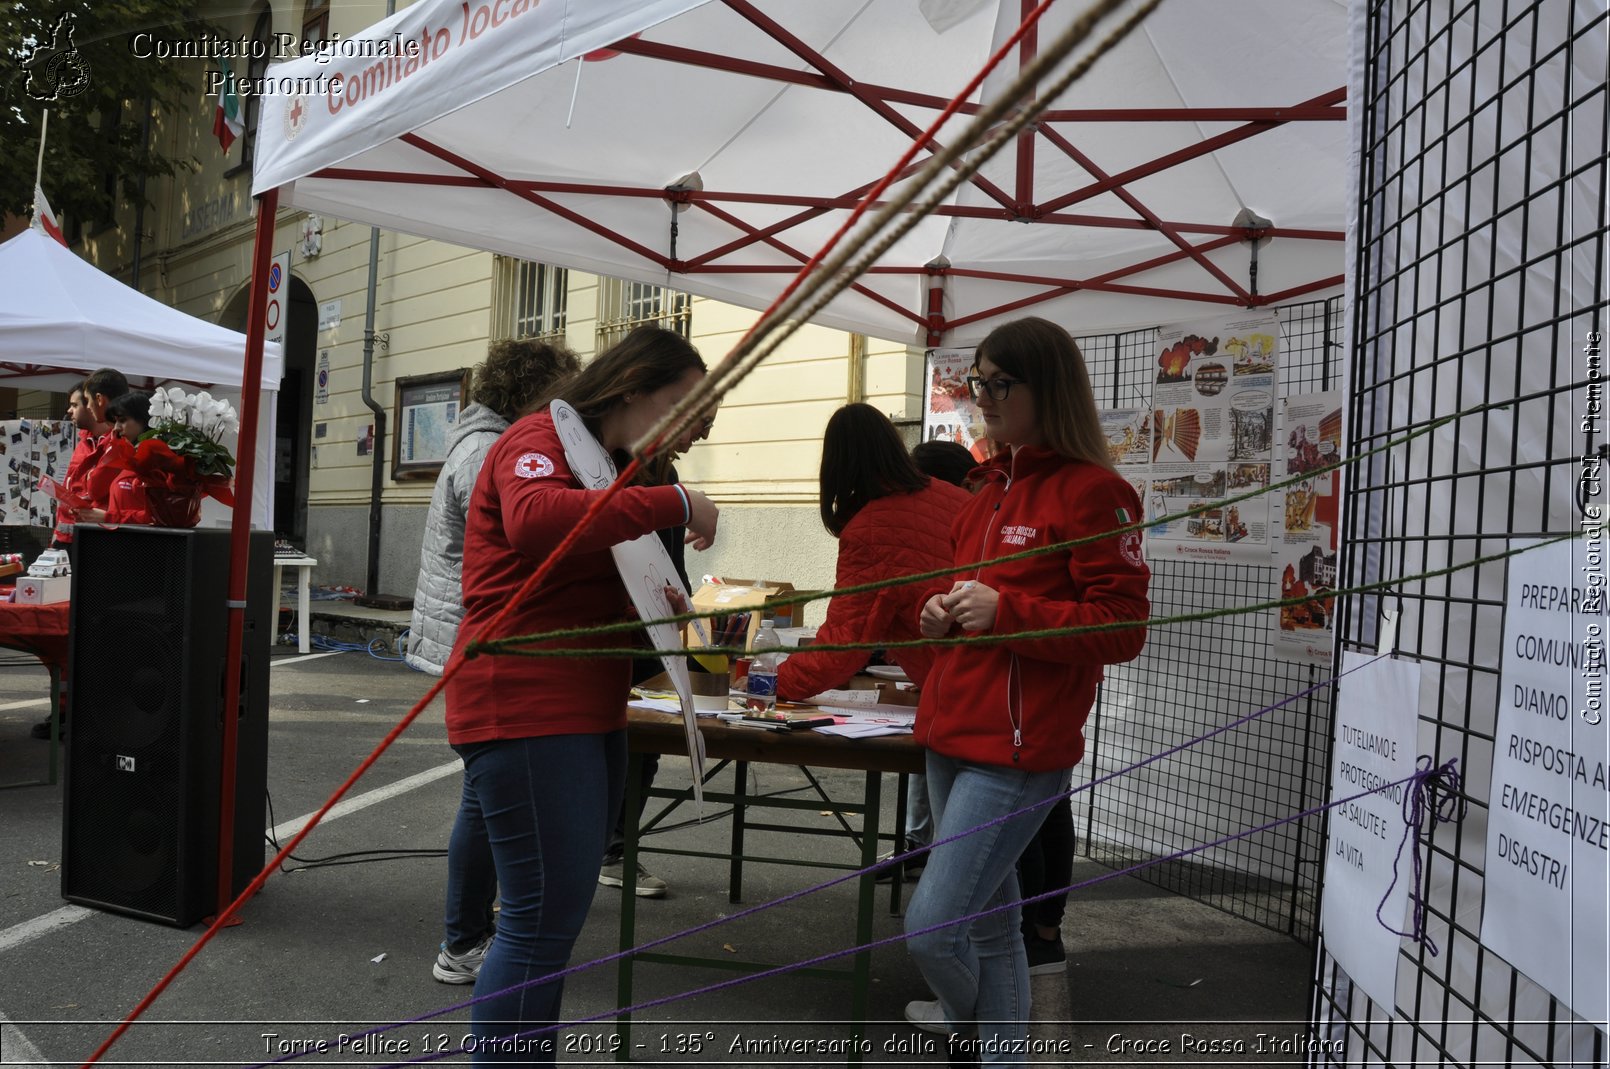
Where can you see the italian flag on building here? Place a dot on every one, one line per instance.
(227, 121)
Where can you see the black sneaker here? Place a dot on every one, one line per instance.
(1046, 956)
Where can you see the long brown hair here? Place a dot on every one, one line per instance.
(516, 374)
(648, 359)
(863, 459)
(1044, 356)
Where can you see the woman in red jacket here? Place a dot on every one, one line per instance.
(543, 739)
(1004, 723)
(890, 520)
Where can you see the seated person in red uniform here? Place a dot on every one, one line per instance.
(890, 520)
(131, 417)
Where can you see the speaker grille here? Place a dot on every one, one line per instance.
(146, 668)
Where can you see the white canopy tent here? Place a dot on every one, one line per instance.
(515, 129)
(61, 317)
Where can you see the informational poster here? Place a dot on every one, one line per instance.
(950, 414)
(1129, 446)
(1212, 422)
(1306, 532)
(1548, 824)
(646, 570)
(31, 449)
(1374, 745)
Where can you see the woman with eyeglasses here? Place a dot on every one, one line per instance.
(543, 739)
(1003, 722)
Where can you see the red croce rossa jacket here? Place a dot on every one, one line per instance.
(1023, 704)
(524, 503)
(901, 534)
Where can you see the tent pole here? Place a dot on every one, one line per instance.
(935, 270)
(240, 529)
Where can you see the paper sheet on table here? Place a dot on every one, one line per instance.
(655, 705)
(863, 730)
(646, 570)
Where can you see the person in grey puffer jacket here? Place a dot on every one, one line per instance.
(516, 376)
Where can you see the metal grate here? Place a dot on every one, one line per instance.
(1193, 678)
(530, 300)
(1480, 278)
(623, 306)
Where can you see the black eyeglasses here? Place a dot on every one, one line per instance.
(998, 388)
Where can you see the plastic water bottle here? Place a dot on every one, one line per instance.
(763, 670)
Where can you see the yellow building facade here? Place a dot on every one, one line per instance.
(435, 309)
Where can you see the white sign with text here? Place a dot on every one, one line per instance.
(1377, 709)
(1547, 892)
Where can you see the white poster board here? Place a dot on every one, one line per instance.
(1307, 521)
(1376, 718)
(1548, 827)
(31, 450)
(646, 570)
(1212, 415)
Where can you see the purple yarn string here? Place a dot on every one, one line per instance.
(857, 874)
(1416, 808)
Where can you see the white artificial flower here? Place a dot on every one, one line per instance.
(160, 409)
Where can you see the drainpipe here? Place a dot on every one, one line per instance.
(369, 598)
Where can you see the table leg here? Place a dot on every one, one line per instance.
(55, 722)
(861, 974)
(896, 882)
(628, 931)
(735, 874)
(279, 577)
(301, 609)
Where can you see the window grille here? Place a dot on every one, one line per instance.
(624, 306)
(530, 300)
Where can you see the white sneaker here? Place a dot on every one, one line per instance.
(928, 1017)
(451, 968)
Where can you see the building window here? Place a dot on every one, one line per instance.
(624, 305)
(256, 68)
(530, 300)
(315, 24)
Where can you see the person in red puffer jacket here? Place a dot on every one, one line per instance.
(1004, 722)
(890, 520)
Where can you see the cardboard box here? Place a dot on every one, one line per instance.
(32, 590)
(743, 602)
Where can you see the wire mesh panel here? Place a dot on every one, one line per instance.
(1480, 290)
(1192, 678)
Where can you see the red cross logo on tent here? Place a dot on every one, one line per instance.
(295, 118)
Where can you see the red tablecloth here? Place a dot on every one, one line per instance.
(40, 630)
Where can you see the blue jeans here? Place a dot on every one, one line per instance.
(978, 970)
(472, 878)
(919, 816)
(548, 804)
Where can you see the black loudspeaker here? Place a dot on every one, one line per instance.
(149, 629)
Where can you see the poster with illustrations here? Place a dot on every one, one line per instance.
(949, 413)
(31, 450)
(1129, 445)
(1306, 534)
(1212, 436)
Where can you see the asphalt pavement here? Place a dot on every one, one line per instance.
(342, 940)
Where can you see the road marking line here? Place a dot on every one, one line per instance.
(364, 801)
(28, 931)
(18, 1050)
